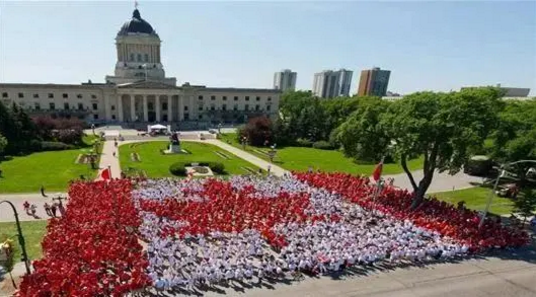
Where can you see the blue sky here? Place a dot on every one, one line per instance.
(427, 45)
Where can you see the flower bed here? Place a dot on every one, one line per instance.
(90, 251)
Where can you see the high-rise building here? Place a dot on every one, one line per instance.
(373, 82)
(329, 83)
(285, 80)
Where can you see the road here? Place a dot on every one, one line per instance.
(507, 275)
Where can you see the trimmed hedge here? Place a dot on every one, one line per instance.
(323, 145)
(178, 168)
(304, 142)
(55, 146)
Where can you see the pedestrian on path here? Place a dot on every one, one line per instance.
(47, 209)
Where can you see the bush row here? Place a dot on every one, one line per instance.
(323, 145)
(179, 168)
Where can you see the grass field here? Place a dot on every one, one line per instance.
(157, 165)
(53, 170)
(300, 158)
(475, 198)
(33, 235)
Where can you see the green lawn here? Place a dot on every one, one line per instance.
(157, 165)
(33, 232)
(300, 158)
(53, 170)
(476, 198)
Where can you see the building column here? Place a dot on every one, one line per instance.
(181, 108)
(169, 109)
(120, 108)
(132, 108)
(145, 109)
(157, 107)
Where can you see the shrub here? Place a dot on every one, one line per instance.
(258, 131)
(216, 167)
(70, 136)
(304, 142)
(178, 169)
(55, 146)
(323, 145)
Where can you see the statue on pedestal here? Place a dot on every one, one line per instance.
(174, 143)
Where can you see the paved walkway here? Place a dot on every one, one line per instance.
(107, 159)
(442, 182)
(6, 214)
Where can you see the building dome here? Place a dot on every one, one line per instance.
(136, 25)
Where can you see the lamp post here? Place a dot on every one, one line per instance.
(502, 174)
(20, 236)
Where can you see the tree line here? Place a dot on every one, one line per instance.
(445, 129)
(21, 134)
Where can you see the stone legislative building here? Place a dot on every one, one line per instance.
(139, 91)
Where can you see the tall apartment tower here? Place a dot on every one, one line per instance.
(285, 80)
(329, 83)
(373, 82)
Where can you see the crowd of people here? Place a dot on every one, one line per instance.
(243, 229)
(248, 228)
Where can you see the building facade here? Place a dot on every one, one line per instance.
(285, 80)
(139, 91)
(510, 92)
(373, 82)
(330, 84)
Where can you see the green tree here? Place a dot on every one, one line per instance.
(525, 204)
(3, 145)
(515, 137)
(442, 127)
(361, 135)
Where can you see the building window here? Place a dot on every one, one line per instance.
(80, 106)
(186, 108)
(50, 95)
(212, 107)
(200, 97)
(268, 107)
(224, 98)
(247, 98)
(79, 96)
(200, 117)
(150, 106)
(246, 107)
(258, 98)
(139, 57)
(51, 106)
(131, 57)
(37, 106)
(21, 95)
(224, 107)
(235, 107)
(65, 95)
(95, 116)
(146, 58)
(93, 96)
(113, 116)
(257, 107)
(200, 108)
(186, 116)
(95, 107)
(36, 95)
(113, 107)
(66, 105)
(4, 95)
(213, 97)
(164, 106)
(269, 99)
(235, 98)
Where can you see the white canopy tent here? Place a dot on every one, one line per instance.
(158, 127)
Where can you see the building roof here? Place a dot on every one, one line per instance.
(136, 25)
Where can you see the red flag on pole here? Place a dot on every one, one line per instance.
(377, 171)
(105, 174)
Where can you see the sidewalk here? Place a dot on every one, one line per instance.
(107, 159)
(6, 214)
